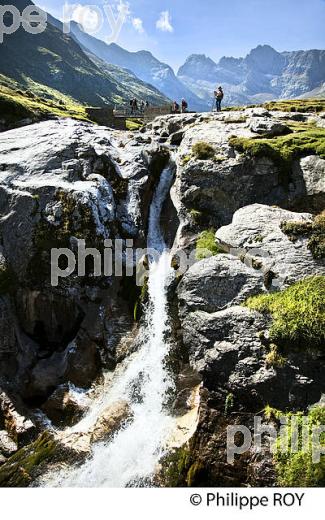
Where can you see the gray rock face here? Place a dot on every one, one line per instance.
(309, 178)
(61, 181)
(255, 235)
(216, 283)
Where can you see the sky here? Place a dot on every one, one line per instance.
(174, 29)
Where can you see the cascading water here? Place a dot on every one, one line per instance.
(131, 457)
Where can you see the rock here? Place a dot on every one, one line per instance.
(111, 421)
(259, 112)
(7, 446)
(78, 364)
(65, 407)
(269, 127)
(21, 429)
(255, 236)
(216, 283)
(72, 447)
(309, 181)
(227, 350)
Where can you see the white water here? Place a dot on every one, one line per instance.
(130, 459)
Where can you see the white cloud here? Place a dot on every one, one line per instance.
(89, 17)
(164, 22)
(138, 25)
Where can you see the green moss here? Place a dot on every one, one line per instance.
(229, 403)
(274, 358)
(134, 124)
(297, 105)
(298, 314)
(186, 159)
(298, 469)
(206, 245)
(140, 301)
(283, 150)
(315, 231)
(203, 151)
(19, 469)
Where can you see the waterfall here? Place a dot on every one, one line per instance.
(131, 457)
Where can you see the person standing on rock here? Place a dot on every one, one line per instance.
(184, 106)
(219, 95)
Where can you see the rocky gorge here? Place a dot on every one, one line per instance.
(246, 330)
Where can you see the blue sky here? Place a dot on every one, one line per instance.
(172, 30)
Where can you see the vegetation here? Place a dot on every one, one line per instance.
(315, 231)
(19, 469)
(298, 313)
(203, 151)
(16, 105)
(206, 245)
(229, 403)
(274, 358)
(298, 469)
(297, 105)
(283, 149)
(134, 124)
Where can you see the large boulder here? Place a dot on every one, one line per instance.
(255, 236)
(216, 283)
(65, 406)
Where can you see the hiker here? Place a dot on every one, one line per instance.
(184, 106)
(219, 97)
(175, 108)
(147, 104)
(142, 106)
(131, 105)
(135, 105)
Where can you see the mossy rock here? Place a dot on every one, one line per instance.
(296, 468)
(206, 245)
(298, 314)
(20, 469)
(283, 150)
(314, 231)
(203, 151)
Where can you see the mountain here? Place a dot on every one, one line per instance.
(143, 64)
(263, 75)
(53, 62)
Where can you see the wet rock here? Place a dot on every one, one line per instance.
(63, 407)
(7, 446)
(111, 421)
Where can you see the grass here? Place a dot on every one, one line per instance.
(298, 314)
(203, 151)
(134, 124)
(315, 231)
(206, 245)
(294, 464)
(16, 105)
(297, 105)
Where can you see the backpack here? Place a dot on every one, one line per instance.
(219, 94)
(185, 105)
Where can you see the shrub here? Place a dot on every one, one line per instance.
(206, 245)
(203, 151)
(298, 313)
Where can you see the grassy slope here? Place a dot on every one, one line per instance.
(17, 105)
(55, 60)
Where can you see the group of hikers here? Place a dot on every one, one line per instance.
(177, 108)
(183, 107)
(180, 109)
(137, 106)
